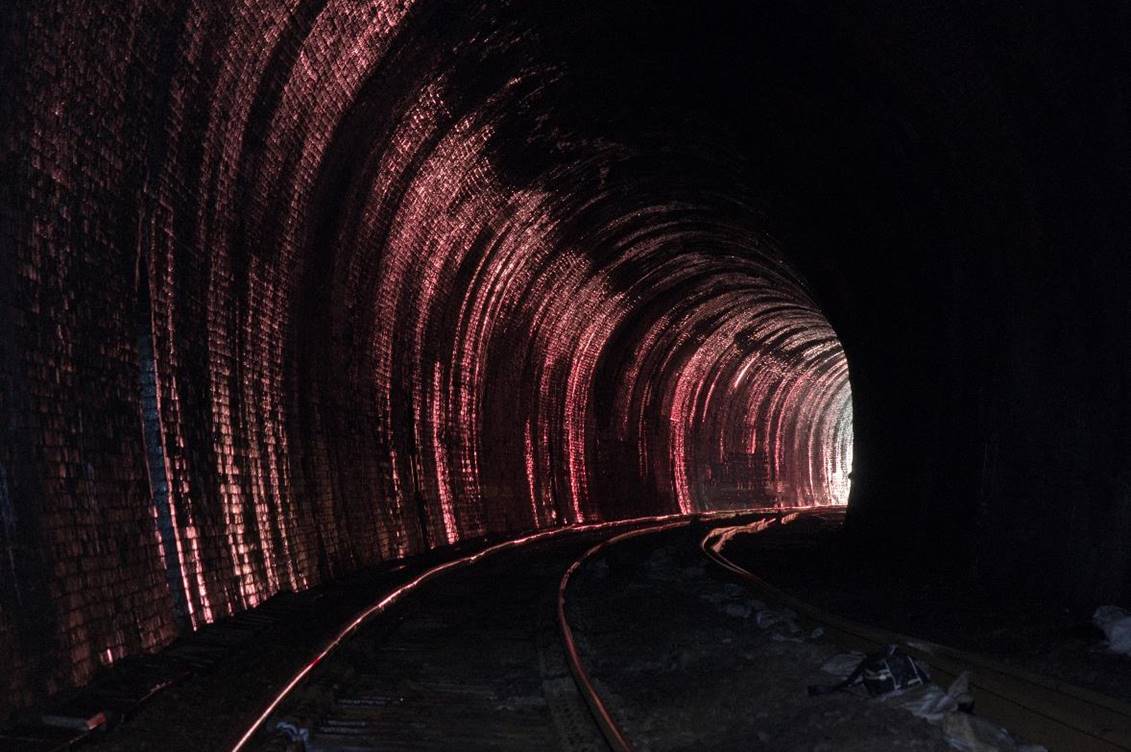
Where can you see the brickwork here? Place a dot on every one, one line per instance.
(283, 295)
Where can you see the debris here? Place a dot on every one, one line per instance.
(971, 733)
(932, 704)
(842, 665)
(293, 730)
(881, 673)
(951, 710)
(771, 617)
(79, 721)
(738, 609)
(1116, 625)
(779, 637)
(893, 670)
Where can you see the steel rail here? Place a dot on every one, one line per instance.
(1059, 715)
(612, 731)
(614, 734)
(389, 599)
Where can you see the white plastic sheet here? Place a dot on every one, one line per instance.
(931, 702)
(842, 664)
(773, 617)
(1116, 624)
(963, 731)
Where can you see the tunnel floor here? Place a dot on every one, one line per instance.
(472, 661)
(1022, 630)
(683, 656)
(691, 661)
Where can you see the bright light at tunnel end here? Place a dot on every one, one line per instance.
(840, 475)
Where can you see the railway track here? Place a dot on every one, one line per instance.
(1052, 713)
(673, 656)
(460, 664)
(615, 736)
(466, 664)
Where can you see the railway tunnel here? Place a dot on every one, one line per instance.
(298, 290)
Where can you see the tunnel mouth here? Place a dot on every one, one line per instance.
(388, 282)
(735, 393)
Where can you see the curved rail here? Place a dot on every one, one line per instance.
(615, 736)
(400, 592)
(1059, 715)
(609, 727)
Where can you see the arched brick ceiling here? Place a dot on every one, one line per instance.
(348, 280)
(291, 288)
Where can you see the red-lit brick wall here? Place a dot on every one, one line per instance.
(292, 288)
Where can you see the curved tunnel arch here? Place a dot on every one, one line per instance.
(375, 277)
(401, 282)
(372, 254)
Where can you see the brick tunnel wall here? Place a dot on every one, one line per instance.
(292, 288)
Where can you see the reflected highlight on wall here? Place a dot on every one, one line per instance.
(299, 287)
